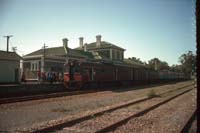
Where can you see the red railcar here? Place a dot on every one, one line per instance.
(80, 74)
(98, 73)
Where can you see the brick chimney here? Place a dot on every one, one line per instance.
(98, 40)
(85, 47)
(65, 42)
(81, 42)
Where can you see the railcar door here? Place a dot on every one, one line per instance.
(91, 73)
(133, 73)
(71, 71)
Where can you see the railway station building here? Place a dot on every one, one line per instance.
(54, 59)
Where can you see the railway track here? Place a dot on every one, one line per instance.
(188, 124)
(70, 123)
(119, 123)
(46, 96)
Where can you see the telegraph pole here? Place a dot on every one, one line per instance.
(44, 49)
(8, 37)
(43, 59)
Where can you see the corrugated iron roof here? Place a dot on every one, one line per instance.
(4, 55)
(60, 51)
(49, 51)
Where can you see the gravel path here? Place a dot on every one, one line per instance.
(167, 118)
(98, 122)
(26, 114)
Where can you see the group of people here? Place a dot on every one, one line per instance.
(50, 76)
(46, 76)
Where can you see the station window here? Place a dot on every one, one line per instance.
(34, 66)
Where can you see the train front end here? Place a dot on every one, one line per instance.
(73, 76)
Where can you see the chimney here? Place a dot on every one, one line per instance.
(81, 42)
(156, 65)
(98, 40)
(85, 47)
(65, 42)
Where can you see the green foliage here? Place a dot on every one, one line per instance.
(151, 94)
(161, 65)
(136, 60)
(61, 110)
(188, 62)
(175, 68)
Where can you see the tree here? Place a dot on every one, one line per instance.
(157, 64)
(188, 62)
(136, 59)
(175, 68)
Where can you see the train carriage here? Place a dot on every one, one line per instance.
(97, 74)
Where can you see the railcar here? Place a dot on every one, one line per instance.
(79, 74)
(99, 74)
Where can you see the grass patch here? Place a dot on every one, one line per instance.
(62, 110)
(151, 94)
(137, 107)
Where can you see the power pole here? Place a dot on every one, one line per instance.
(44, 49)
(8, 37)
(44, 54)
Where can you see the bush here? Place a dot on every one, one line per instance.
(151, 94)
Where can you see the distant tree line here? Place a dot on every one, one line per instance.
(187, 63)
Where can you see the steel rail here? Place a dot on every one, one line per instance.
(44, 96)
(113, 126)
(52, 95)
(188, 124)
(72, 122)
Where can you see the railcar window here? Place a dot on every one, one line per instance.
(66, 69)
(97, 70)
(72, 70)
(77, 69)
(85, 71)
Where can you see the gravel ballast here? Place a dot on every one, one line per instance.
(98, 122)
(27, 114)
(167, 118)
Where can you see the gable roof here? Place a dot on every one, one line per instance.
(60, 51)
(4, 55)
(104, 44)
(48, 51)
(79, 53)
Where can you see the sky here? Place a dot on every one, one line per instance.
(145, 28)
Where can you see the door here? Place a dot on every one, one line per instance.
(16, 75)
